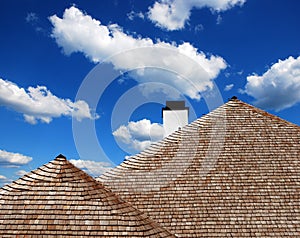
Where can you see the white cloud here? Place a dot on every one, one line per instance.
(219, 19)
(199, 28)
(278, 88)
(2, 177)
(13, 158)
(137, 136)
(131, 15)
(240, 72)
(92, 167)
(31, 17)
(4, 180)
(228, 87)
(40, 104)
(173, 14)
(79, 32)
(21, 173)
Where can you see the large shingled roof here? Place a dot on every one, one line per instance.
(60, 200)
(234, 172)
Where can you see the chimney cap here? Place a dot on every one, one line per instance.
(175, 105)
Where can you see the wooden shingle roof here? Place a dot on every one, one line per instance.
(60, 200)
(234, 172)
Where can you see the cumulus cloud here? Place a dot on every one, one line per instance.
(173, 14)
(137, 136)
(278, 88)
(228, 87)
(79, 32)
(92, 167)
(8, 158)
(39, 104)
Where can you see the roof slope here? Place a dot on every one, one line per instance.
(235, 172)
(60, 200)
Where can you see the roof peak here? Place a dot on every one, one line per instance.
(234, 151)
(61, 157)
(233, 98)
(57, 193)
(57, 171)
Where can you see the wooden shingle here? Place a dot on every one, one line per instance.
(60, 200)
(234, 172)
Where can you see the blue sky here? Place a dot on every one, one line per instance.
(154, 51)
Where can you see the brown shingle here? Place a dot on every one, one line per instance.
(60, 200)
(235, 172)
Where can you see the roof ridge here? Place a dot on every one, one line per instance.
(261, 112)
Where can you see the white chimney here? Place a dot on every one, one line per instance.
(175, 115)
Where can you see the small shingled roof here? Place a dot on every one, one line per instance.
(60, 200)
(234, 172)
